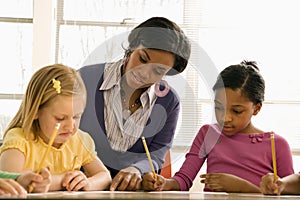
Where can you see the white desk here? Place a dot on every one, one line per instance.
(152, 195)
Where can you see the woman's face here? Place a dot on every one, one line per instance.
(67, 111)
(147, 66)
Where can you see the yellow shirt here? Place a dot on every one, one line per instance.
(78, 151)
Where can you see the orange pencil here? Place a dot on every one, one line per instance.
(47, 152)
(274, 156)
(149, 158)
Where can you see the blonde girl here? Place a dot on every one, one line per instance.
(55, 94)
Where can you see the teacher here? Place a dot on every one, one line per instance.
(128, 99)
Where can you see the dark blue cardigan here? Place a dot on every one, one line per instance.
(159, 131)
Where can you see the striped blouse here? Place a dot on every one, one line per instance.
(123, 133)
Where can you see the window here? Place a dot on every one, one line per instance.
(220, 37)
(16, 54)
(265, 31)
(84, 26)
(222, 33)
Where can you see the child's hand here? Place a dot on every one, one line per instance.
(217, 182)
(75, 181)
(44, 185)
(268, 186)
(40, 182)
(221, 182)
(149, 183)
(11, 187)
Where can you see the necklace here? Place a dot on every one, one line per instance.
(127, 108)
(127, 111)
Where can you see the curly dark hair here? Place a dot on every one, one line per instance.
(162, 34)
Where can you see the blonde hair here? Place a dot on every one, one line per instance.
(41, 90)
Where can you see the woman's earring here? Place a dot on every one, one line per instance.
(124, 61)
(161, 88)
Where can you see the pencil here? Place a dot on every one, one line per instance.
(46, 153)
(149, 158)
(274, 156)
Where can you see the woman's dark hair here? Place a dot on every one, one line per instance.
(244, 76)
(162, 34)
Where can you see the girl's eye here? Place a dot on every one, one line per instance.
(237, 111)
(59, 118)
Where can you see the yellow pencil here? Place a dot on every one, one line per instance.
(149, 158)
(47, 151)
(274, 156)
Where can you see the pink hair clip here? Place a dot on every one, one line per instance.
(56, 85)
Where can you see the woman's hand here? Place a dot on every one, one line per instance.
(220, 182)
(268, 186)
(11, 187)
(75, 180)
(150, 184)
(127, 179)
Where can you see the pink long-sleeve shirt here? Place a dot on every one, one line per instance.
(248, 156)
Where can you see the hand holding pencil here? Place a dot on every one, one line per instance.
(159, 180)
(39, 182)
(31, 187)
(149, 157)
(270, 184)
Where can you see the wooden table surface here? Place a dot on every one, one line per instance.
(150, 195)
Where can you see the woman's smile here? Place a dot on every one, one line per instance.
(137, 79)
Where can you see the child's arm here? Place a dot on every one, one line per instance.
(183, 179)
(287, 185)
(149, 183)
(220, 182)
(292, 184)
(96, 177)
(13, 160)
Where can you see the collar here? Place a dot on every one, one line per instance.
(148, 96)
(112, 75)
(152, 95)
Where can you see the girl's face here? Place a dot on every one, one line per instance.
(147, 66)
(67, 111)
(233, 111)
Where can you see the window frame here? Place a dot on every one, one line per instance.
(46, 27)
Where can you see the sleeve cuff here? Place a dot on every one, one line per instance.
(8, 175)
